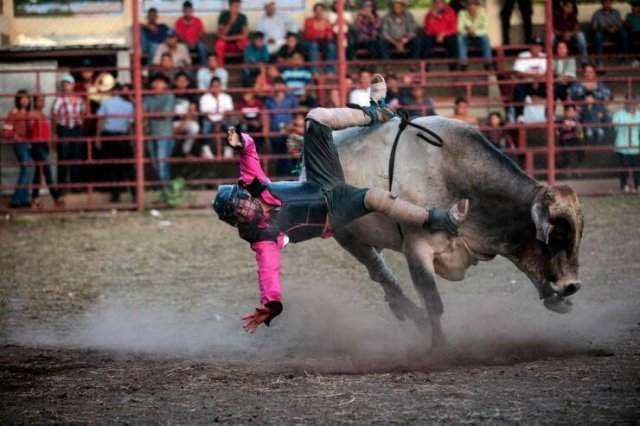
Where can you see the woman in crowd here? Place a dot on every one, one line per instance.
(18, 127)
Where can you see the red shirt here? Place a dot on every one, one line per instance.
(445, 23)
(317, 31)
(40, 130)
(189, 31)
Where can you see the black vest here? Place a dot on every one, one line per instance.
(302, 215)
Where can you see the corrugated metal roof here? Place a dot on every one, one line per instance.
(63, 48)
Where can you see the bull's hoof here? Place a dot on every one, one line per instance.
(557, 304)
(399, 305)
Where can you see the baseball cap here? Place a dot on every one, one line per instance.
(67, 78)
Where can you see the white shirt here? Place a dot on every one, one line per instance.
(205, 75)
(530, 65)
(216, 107)
(276, 27)
(360, 97)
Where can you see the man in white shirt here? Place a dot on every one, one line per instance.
(214, 105)
(213, 69)
(360, 95)
(275, 27)
(530, 66)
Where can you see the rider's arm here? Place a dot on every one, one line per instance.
(250, 167)
(268, 260)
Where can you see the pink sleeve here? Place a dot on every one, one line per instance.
(268, 259)
(250, 167)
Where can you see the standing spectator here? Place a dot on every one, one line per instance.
(567, 28)
(159, 108)
(473, 30)
(296, 75)
(152, 34)
(366, 30)
(215, 105)
(190, 30)
(67, 113)
(255, 53)
(360, 95)
(41, 142)
(632, 27)
(213, 69)
(607, 25)
(569, 133)
(589, 83)
(526, 10)
(280, 107)
(275, 27)
(461, 112)
(233, 31)
(17, 126)
(496, 133)
(185, 122)
(292, 45)
(115, 116)
(592, 114)
(319, 36)
(564, 70)
(179, 52)
(399, 32)
(441, 28)
(530, 66)
(627, 145)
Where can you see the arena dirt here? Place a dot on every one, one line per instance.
(127, 318)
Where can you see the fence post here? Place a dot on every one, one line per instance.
(551, 146)
(138, 113)
(342, 54)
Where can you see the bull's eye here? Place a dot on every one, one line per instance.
(560, 237)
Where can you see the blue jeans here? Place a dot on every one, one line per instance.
(329, 53)
(465, 41)
(21, 195)
(620, 37)
(201, 52)
(160, 150)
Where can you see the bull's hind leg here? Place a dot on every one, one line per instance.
(401, 306)
(420, 259)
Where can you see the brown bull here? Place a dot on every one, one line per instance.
(537, 227)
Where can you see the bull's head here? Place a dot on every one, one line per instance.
(551, 258)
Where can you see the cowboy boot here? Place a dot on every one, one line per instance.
(377, 110)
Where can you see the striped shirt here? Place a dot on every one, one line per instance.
(68, 111)
(296, 79)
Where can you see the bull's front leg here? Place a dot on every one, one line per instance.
(420, 260)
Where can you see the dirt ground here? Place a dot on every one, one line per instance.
(127, 318)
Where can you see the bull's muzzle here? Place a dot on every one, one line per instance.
(566, 289)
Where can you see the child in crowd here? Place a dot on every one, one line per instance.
(496, 133)
(185, 122)
(591, 114)
(250, 107)
(40, 147)
(296, 75)
(569, 133)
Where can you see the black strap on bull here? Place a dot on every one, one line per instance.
(433, 139)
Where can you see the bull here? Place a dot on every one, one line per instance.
(536, 226)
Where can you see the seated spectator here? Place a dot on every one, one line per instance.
(280, 106)
(263, 85)
(292, 45)
(213, 69)
(632, 27)
(215, 105)
(185, 120)
(178, 51)
(41, 141)
(415, 100)
(113, 130)
(306, 99)
(399, 32)
(461, 112)
(393, 91)
(250, 107)
(592, 114)
(473, 30)
(441, 28)
(567, 28)
(607, 25)
(296, 75)
(166, 66)
(366, 29)
(275, 26)
(589, 83)
(232, 31)
(319, 36)
(190, 30)
(360, 95)
(564, 70)
(530, 66)
(158, 108)
(255, 53)
(334, 99)
(496, 133)
(627, 144)
(152, 34)
(295, 140)
(569, 135)
(17, 127)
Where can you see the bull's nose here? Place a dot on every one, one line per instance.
(571, 288)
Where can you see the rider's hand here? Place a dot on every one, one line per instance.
(262, 314)
(233, 138)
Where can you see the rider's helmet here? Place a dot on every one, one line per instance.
(234, 205)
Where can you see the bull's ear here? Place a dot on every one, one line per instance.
(540, 216)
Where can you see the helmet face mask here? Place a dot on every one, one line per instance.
(235, 205)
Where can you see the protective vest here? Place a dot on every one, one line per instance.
(302, 215)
